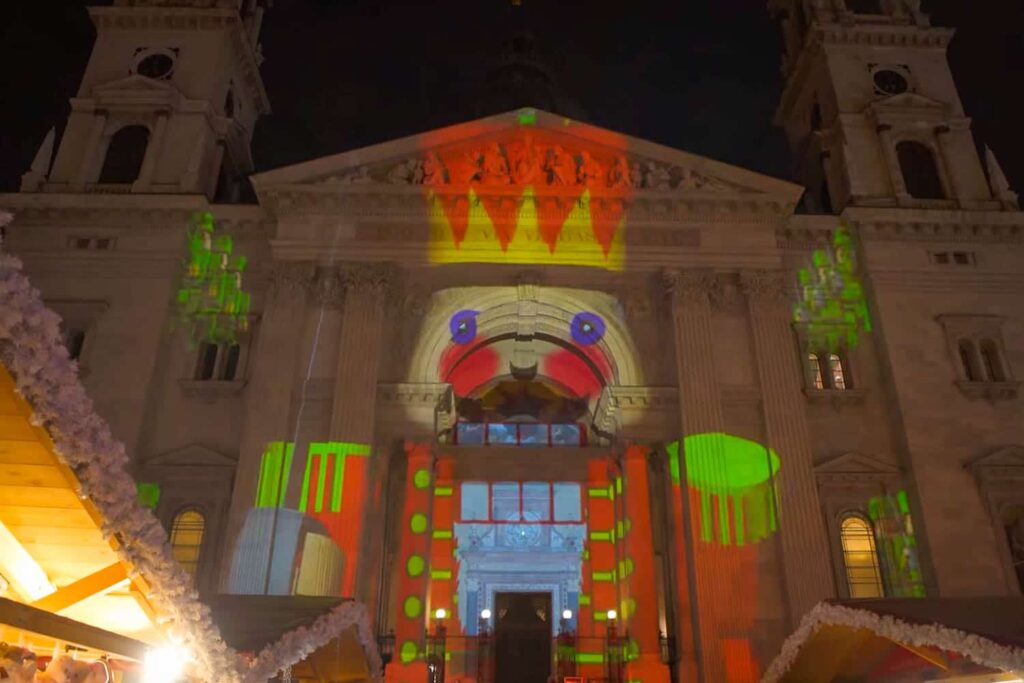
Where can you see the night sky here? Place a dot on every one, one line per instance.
(699, 75)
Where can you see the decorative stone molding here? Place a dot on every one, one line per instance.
(1000, 477)
(992, 391)
(837, 398)
(414, 395)
(856, 468)
(211, 389)
(1001, 465)
(290, 278)
(622, 407)
(367, 278)
(690, 286)
(765, 285)
(326, 288)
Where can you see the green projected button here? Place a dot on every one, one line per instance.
(415, 565)
(418, 523)
(413, 607)
(421, 479)
(408, 652)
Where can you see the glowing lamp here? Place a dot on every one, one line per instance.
(612, 615)
(165, 664)
(567, 614)
(485, 614)
(440, 613)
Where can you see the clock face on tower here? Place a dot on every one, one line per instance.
(889, 82)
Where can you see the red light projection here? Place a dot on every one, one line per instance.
(468, 366)
(569, 369)
(529, 195)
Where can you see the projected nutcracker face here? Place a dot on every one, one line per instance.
(539, 376)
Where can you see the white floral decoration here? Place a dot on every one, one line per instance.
(981, 650)
(46, 377)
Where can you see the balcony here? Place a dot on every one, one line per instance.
(527, 434)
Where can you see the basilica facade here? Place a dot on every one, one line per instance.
(527, 377)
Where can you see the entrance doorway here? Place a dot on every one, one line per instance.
(523, 637)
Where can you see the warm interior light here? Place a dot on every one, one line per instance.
(567, 614)
(440, 613)
(165, 664)
(27, 578)
(612, 614)
(485, 614)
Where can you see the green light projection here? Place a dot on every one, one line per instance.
(148, 494)
(897, 545)
(733, 477)
(211, 301)
(274, 468)
(833, 307)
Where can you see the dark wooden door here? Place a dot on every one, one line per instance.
(523, 637)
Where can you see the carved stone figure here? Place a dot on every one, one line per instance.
(360, 176)
(467, 170)
(495, 168)
(433, 170)
(525, 163)
(636, 176)
(561, 166)
(408, 172)
(618, 175)
(656, 177)
(590, 172)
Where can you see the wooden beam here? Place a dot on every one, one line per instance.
(931, 655)
(33, 620)
(86, 587)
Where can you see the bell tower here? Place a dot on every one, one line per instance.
(872, 114)
(168, 102)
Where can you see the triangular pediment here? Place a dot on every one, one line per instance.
(193, 455)
(911, 101)
(133, 82)
(856, 463)
(1008, 456)
(529, 148)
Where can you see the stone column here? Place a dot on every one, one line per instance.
(700, 408)
(156, 143)
(87, 162)
(355, 399)
(892, 161)
(805, 545)
(947, 173)
(270, 372)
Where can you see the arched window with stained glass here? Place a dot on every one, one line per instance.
(860, 557)
(187, 531)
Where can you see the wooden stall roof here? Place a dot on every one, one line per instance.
(251, 622)
(49, 531)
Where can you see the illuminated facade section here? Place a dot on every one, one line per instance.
(832, 308)
(529, 196)
(896, 545)
(211, 302)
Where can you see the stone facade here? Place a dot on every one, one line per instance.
(352, 304)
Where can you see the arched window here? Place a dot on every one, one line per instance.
(990, 357)
(814, 371)
(860, 558)
(125, 153)
(187, 531)
(836, 371)
(864, 6)
(920, 174)
(967, 360)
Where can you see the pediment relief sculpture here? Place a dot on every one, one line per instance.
(524, 162)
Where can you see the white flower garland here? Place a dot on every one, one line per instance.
(977, 648)
(44, 375)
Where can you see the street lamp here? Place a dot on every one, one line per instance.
(440, 613)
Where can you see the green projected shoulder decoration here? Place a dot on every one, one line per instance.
(733, 478)
(833, 307)
(210, 300)
(897, 545)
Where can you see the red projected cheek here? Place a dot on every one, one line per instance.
(467, 369)
(569, 369)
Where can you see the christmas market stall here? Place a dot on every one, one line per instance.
(953, 640)
(90, 590)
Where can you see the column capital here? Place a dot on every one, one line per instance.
(765, 285)
(368, 278)
(690, 286)
(287, 278)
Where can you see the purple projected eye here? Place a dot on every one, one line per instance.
(587, 328)
(463, 326)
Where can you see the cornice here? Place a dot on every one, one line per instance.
(194, 19)
(397, 202)
(885, 224)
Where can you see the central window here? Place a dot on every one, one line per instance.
(521, 504)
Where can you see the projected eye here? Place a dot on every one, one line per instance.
(587, 328)
(463, 326)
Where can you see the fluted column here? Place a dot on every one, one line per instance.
(700, 407)
(88, 161)
(270, 373)
(892, 162)
(153, 149)
(355, 397)
(804, 542)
